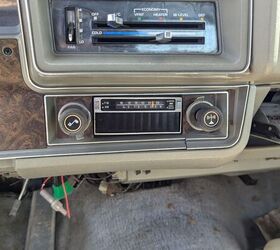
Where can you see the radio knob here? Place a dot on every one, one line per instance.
(203, 116)
(74, 119)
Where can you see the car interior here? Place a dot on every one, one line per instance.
(139, 124)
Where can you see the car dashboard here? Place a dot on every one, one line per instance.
(147, 90)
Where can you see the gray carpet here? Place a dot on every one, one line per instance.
(13, 229)
(200, 213)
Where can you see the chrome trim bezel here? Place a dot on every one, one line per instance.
(50, 143)
(31, 156)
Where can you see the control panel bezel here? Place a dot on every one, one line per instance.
(193, 136)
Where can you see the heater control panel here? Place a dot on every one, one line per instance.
(158, 27)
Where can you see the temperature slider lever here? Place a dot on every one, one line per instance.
(164, 37)
(114, 21)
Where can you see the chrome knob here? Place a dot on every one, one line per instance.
(74, 119)
(204, 116)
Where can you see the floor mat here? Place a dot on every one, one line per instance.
(215, 212)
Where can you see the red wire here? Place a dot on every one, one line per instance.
(66, 197)
(45, 182)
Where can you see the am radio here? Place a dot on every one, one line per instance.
(137, 115)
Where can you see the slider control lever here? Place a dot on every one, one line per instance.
(114, 21)
(70, 25)
(164, 37)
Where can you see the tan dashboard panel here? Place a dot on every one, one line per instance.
(22, 122)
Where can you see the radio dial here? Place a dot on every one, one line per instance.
(204, 116)
(74, 119)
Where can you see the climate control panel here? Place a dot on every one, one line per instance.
(135, 26)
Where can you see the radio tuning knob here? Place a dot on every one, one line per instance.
(74, 119)
(204, 116)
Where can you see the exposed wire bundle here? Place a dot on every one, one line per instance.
(58, 184)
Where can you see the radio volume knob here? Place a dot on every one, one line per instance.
(74, 119)
(203, 116)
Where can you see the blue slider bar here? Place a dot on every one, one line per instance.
(125, 33)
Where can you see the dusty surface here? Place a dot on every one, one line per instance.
(215, 212)
(200, 213)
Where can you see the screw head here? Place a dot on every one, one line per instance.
(7, 51)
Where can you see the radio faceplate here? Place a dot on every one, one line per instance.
(161, 27)
(137, 115)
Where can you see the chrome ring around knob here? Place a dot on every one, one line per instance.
(204, 116)
(74, 119)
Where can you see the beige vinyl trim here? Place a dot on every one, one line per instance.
(251, 160)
